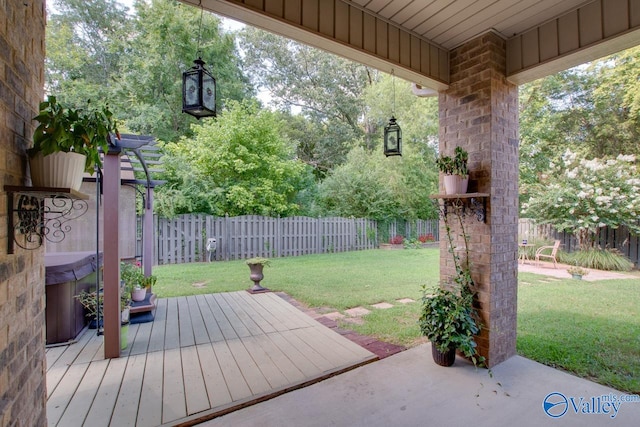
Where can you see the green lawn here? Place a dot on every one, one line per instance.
(589, 328)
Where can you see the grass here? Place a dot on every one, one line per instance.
(338, 281)
(589, 328)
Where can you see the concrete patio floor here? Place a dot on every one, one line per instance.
(409, 389)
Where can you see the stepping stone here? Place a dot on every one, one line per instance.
(405, 300)
(354, 320)
(357, 311)
(382, 305)
(334, 316)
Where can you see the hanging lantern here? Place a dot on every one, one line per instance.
(392, 138)
(198, 91)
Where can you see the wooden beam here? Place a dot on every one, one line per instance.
(111, 255)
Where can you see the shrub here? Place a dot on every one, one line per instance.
(424, 238)
(396, 240)
(607, 259)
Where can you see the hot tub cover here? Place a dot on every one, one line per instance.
(62, 267)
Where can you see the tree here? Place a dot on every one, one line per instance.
(238, 164)
(325, 88)
(164, 45)
(582, 196)
(369, 186)
(85, 43)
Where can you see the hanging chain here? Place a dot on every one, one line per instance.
(198, 52)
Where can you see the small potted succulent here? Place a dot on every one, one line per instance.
(67, 142)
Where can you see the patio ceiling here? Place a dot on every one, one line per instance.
(413, 38)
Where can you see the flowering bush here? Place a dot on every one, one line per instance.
(582, 196)
(396, 240)
(424, 238)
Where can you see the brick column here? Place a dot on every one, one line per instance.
(23, 391)
(479, 112)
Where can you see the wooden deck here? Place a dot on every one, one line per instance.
(201, 357)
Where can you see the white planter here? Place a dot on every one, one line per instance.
(451, 184)
(463, 184)
(57, 170)
(139, 294)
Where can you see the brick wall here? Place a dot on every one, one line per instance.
(479, 112)
(22, 333)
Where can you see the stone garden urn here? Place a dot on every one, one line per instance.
(256, 265)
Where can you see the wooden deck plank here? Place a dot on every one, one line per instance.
(249, 307)
(237, 325)
(89, 351)
(195, 390)
(150, 408)
(132, 331)
(287, 310)
(200, 333)
(184, 320)
(264, 314)
(53, 354)
(301, 361)
(61, 397)
(173, 400)
(215, 334)
(125, 412)
(236, 383)
(271, 373)
(217, 390)
(172, 328)
(281, 360)
(241, 313)
(158, 328)
(100, 412)
(337, 340)
(225, 326)
(141, 340)
(314, 354)
(59, 368)
(84, 396)
(250, 371)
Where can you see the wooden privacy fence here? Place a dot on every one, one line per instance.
(619, 238)
(184, 238)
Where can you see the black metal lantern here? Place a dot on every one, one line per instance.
(392, 138)
(198, 91)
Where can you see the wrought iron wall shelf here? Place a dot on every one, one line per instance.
(473, 203)
(37, 219)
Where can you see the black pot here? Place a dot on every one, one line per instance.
(443, 359)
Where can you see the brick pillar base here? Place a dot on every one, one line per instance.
(479, 112)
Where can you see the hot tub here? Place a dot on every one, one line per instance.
(66, 275)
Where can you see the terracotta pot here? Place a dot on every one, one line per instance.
(57, 170)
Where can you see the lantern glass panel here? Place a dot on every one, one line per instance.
(209, 92)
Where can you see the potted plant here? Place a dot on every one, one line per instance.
(133, 279)
(456, 174)
(67, 142)
(447, 167)
(256, 265)
(577, 272)
(448, 317)
(460, 168)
